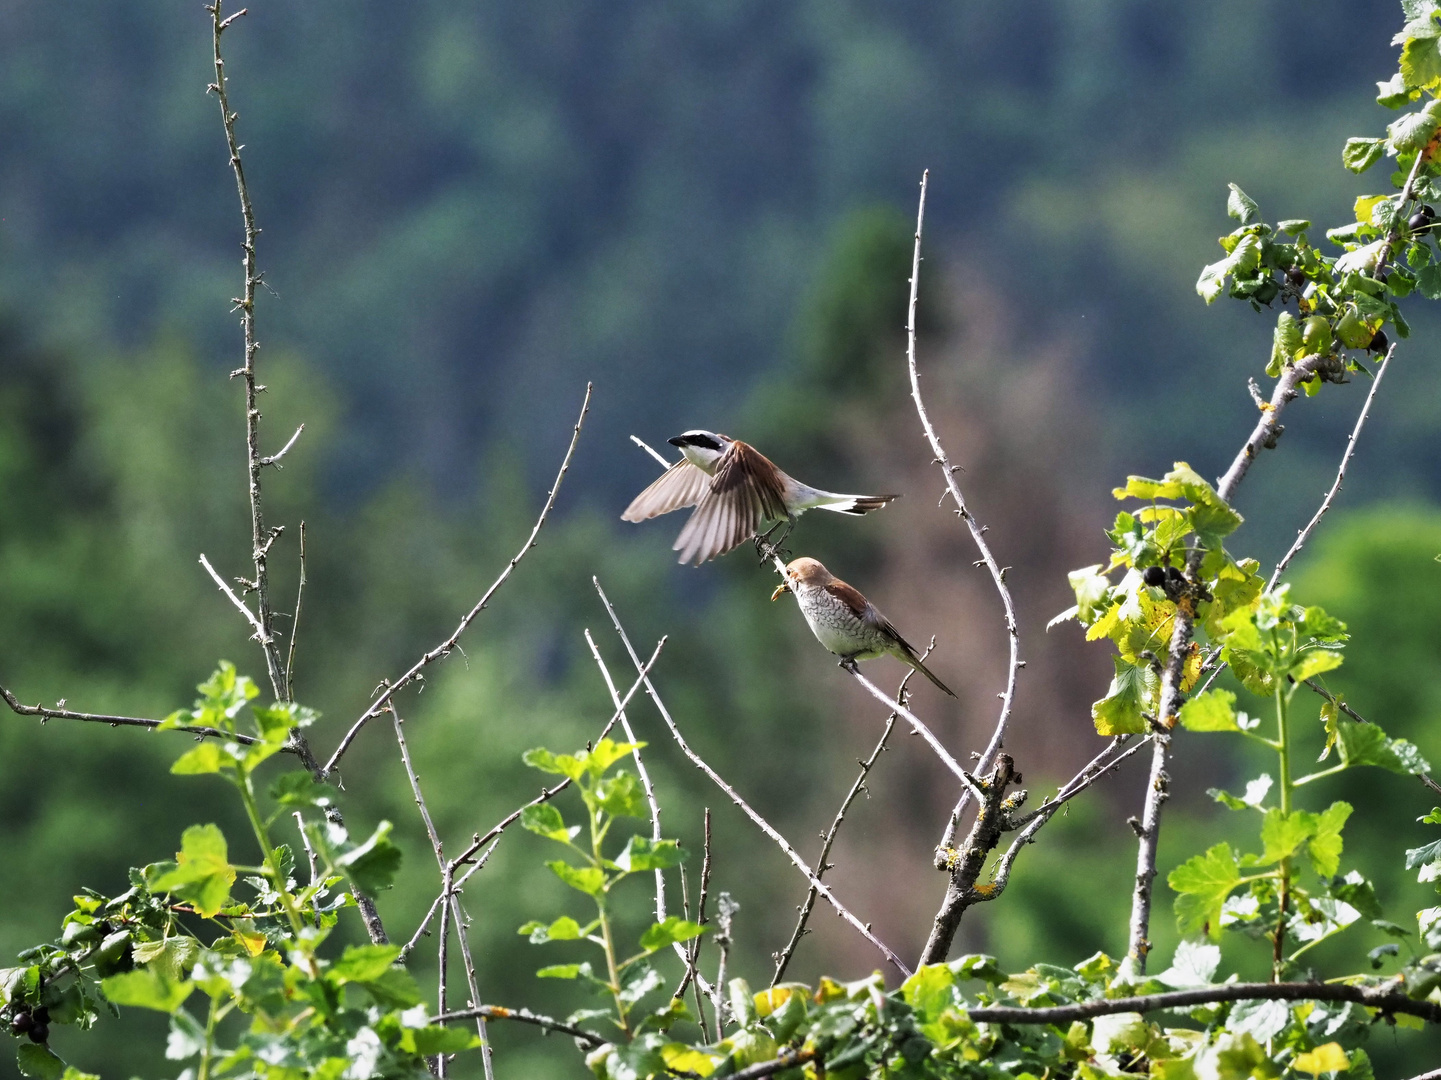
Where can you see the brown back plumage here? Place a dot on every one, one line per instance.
(746, 490)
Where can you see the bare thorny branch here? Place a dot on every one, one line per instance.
(446, 647)
(828, 838)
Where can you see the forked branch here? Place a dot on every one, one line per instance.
(446, 647)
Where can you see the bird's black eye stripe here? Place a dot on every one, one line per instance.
(706, 441)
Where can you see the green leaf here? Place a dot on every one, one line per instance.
(1119, 712)
(1241, 206)
(72, 1073)
(672, 930)
(1285, 343)
(1420, 63)
(607, 753)
(1283, 834)
(395, 988)
(563, 929)
(930, 991)
(561, 764)
(1414, 130)
(437, 1039)
(643, 853)
(299, 788)
(361, 963)
(372, 866)
(1393, 92)
(545, 820)
(1420, 856)
(622, 796)
(207, 757)
(1360, 154)
(146, 988)
(1090, 587)
(187, 1036)
(1366, 744)
(1293, 226)
(588, 880)
(1212, 711)
(37, 1061)
(1314, 662)
(1204, 882)
(559, 971)
(1428, 281)
(1325, 846)
(203, 874)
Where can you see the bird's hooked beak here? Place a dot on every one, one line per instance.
(679, 440)
(783, 587)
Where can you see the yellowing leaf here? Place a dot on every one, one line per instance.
(1327, 1058)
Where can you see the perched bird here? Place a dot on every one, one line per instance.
(735, 489)
(844, 621)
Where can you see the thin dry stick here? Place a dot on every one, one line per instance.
(274, 459)
(260, 537)
(449, 907)
(643, 773)
(423, 930)
(295, 619)
(744, 806)
(905, 714)
(692, 974)
(462, 932)
(261, 634)
(1305, 534)
(309, 851)
(978, 532)
(445, 648)
(1265, 433)
(443, 961)
(828, 838)
(1037, 819)
(525, 1016)
(57, 713)
(492, 837)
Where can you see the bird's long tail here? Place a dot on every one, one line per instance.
(915, 663)
(845, 504)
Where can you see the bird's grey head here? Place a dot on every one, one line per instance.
(702, 448)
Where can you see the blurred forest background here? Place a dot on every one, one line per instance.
(471, 210)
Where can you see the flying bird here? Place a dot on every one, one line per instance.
(844, 621)
(735, 489)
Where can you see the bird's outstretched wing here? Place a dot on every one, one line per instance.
(745, 491)
(682, 485)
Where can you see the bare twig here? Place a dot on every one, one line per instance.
(295, 618)
(905, 714)
(462, 932)
(783, 958)
(445, 648)
(524, 1016)
(744, 806)
(423, 930)
(692, 975)
(1266, 432)
(664, 464)
(725, 913)
(261, 634)
(260, 537)
(1305, 533)
(546, 794)
(640, 770)
(1373, 997)
(46, 712)
(274, 459)
(309, 851)
(443, 961)
(788, 1060)
(978, 533)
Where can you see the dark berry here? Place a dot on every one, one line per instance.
(41, 1015)
(1419, 222)
(21, 1022)
(1296, 276)
(1424, 209)
(1174, 575)
(1379, 342)
(1153, 576)
(39, 1033)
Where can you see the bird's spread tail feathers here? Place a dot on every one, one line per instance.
(849, 504)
